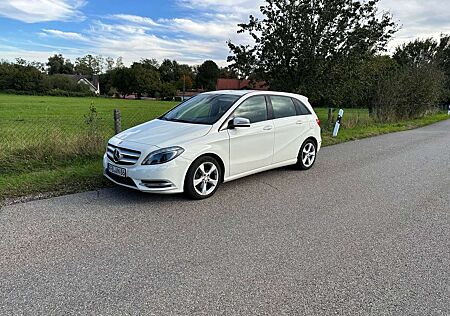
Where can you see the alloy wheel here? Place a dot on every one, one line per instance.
(308, 155)
(206, 178)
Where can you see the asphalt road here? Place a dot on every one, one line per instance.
(366, 231)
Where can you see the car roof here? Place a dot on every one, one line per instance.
(256, 92)
(232, 92)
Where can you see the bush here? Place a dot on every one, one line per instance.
(64, 93)
(167, 91)
(410, 92)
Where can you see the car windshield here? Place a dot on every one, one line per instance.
(201, 109)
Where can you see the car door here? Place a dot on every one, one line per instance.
(290, 128)
(251, 147)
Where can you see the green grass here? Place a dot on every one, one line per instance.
(46, 145)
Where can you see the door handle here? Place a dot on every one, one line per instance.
(267, 128)
(299, 122)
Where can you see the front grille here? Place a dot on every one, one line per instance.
(121, 180)
(122, 156)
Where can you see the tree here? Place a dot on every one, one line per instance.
(417, 52)
(167, 90)
(430, 51)
(109, 63)
(186, 77)
(227, 73)
(57, 64)
(207, 75)
(303, 46)
(119, 62)
(169, 71)
(89, 65)
(122, 79)
(145, 79)
(150, 63)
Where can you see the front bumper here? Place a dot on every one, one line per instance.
(163, 178)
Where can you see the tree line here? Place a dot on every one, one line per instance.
(335, 52)
(145, 77)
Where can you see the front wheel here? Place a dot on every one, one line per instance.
(307, 155)
(203, 178)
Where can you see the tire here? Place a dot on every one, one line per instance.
(203, 178)
(307, 155)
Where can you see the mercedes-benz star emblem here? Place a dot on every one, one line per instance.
(117, 155)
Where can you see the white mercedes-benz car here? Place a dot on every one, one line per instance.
(212, 138)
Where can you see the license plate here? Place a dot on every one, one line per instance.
(122, 172)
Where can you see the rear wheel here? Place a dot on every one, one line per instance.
(203, 178)
(307, 155)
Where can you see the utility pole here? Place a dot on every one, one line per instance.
(184, 85)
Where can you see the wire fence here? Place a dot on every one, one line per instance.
(37, 140)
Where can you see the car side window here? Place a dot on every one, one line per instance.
(283, 107)
(301, 107)
(254, 108)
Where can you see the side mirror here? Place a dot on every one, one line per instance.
(239, 122)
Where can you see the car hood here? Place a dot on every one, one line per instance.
(164, 133)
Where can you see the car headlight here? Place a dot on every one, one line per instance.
(164, 155)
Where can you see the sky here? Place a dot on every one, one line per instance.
(189, 31)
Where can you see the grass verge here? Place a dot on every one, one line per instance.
(77, 175)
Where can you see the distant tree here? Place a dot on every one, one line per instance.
(185, 82)
(428, 51)
(207, 75)
(89, 65)
(167, 90)
(109, 61)
(169, 71)
(150, 63)
(119, 62)
(417, 52)
(21, 77)
(123, 80)
(300, 45)
(444, 60)
(57, 64)
(145, 79)
(38, 65)
(186, 77)
(227, 73)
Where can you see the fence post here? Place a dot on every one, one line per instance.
(117, 122)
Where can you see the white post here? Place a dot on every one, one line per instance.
(449, 109)
(338, 123)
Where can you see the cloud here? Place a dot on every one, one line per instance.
(206, 29)
(226, 6)
(65, 35)
(135, 19)
(134, 42)
(199, 33)
(32, 11)
(418, 18)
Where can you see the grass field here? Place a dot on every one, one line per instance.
(55, 143)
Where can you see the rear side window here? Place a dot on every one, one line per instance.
(283, 107)
(301, 108)
(253, 108)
